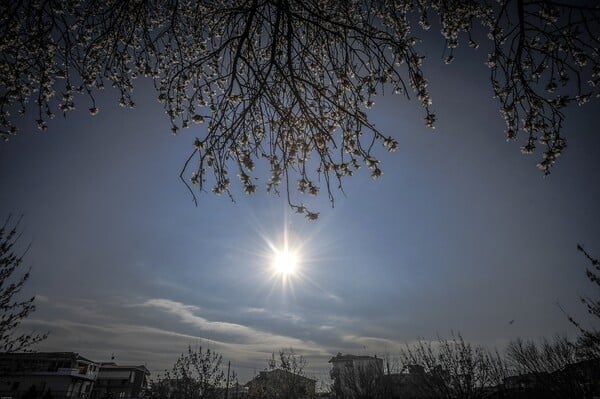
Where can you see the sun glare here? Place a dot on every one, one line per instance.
(285, 262)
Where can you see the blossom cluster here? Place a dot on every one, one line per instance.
(539, 66)
(289, 84)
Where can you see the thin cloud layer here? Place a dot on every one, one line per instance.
(99, 331)
(235, 332)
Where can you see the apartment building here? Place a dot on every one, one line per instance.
(56, 375)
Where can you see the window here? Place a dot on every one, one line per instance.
(83, 368)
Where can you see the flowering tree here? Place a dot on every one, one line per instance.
(289, 83)
(12, 310)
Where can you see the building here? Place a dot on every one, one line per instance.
(355, 376)
(236, 391)
(276, 384)
(55, 375)
(115, 381)
(411, 383)
(575, 380)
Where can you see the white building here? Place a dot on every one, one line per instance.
(41, 374)
(120, 381)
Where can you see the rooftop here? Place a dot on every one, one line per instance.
(44, 356)
(105, 366)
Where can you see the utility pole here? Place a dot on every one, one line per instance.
(227, 386)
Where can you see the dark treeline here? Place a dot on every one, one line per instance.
(443, 368)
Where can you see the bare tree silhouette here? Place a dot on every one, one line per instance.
(288, 83)
(285, 377)
(361, 381)
(13, 310)
(589, 342)
(553, 366)
(198, 374)
(453, 368)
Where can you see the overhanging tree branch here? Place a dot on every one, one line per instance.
(288, 84)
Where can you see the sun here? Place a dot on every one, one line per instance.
(285, 262)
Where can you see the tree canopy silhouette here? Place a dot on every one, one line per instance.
(289, 83)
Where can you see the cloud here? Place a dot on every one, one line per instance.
(131, 344)
(372, 344)
(154, 331)
(186, 313)
(240, 334)
(335, 298)
(255, 310)
(158, 348)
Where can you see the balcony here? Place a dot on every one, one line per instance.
(72, 372)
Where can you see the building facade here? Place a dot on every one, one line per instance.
(118, 382)
(48, 375)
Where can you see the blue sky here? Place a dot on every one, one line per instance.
(461, 233)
